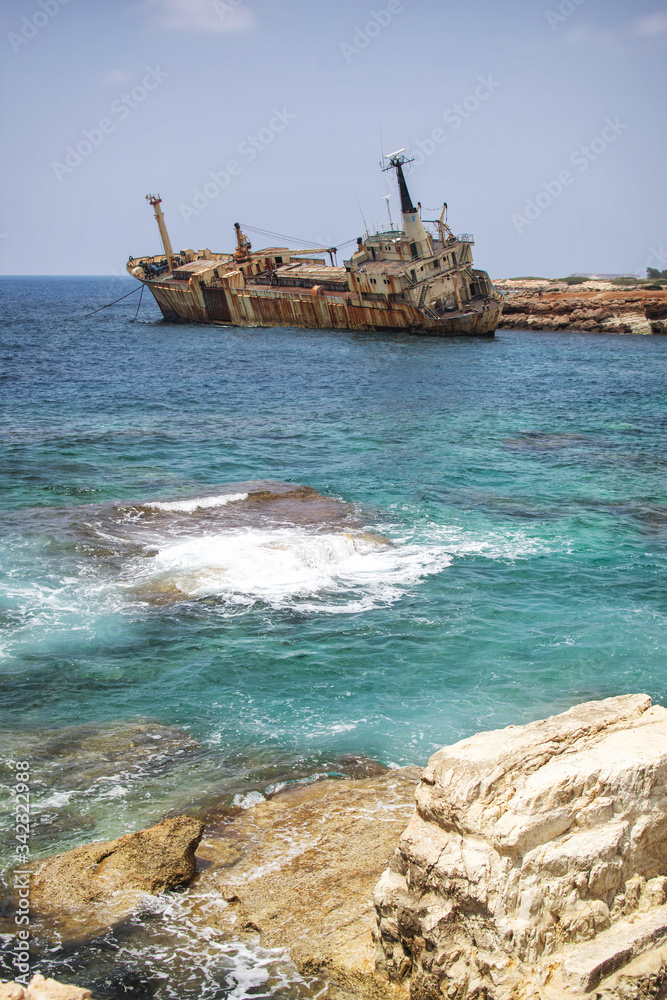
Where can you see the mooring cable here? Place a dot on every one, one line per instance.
(139, 306)
(113, 303)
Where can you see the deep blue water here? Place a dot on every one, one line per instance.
(521, 482)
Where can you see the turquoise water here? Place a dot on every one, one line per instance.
(495, 549)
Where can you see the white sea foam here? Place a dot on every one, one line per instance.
(314, 571)
(198, 503)
(54, 801)
(290, 567)
(185, 951)
(296, 568)
(248, 800)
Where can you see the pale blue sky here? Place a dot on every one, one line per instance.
(498, 100)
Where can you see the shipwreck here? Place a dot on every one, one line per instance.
(414, 280)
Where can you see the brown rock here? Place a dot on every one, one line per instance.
(90, 888)
(299, 870)
(656, 308)
(601, 311)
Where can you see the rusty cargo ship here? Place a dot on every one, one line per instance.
(413, 279)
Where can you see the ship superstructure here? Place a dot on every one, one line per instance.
(412, 279)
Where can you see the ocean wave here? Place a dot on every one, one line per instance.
(198, 503)
(287, 567)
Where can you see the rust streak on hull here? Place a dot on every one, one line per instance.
(236, 308)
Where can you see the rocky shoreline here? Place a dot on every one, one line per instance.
(534, 866)
(591, 308)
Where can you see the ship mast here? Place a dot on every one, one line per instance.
(419, 240)
(154, 200)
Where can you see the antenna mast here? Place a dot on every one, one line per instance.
(391, 221)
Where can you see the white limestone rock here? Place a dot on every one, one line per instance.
(535, 864)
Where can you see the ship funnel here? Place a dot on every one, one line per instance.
(420, 242)
(154, 200)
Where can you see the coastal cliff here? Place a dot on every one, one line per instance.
(592, 308)
(535, 864)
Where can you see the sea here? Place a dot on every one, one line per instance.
(231, 559)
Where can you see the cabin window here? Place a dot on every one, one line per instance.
(279, 260)
(436, 263)
(414, 250)
(373, 281)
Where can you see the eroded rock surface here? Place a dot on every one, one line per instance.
(84, 891)
(535, 865)
(594, 311)
(300, 868)
(40, 988)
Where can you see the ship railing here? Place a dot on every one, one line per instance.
(387, 234)
(465, 238)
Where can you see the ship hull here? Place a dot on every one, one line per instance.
(269, 308)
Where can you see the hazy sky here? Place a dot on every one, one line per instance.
(540, 122)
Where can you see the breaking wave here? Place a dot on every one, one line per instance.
(198, 503)
(309, 570)
(288, 567)
(277, 545)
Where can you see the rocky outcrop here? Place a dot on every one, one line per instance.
(86, 890)
(535, 865)
(637, 312)
(40, 988)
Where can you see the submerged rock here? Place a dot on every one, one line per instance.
(75, 769)
(74, 757)
(82, 892)
(535, 864)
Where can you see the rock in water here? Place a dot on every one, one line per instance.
(535, 865)
(86, 890)
(299, 870)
